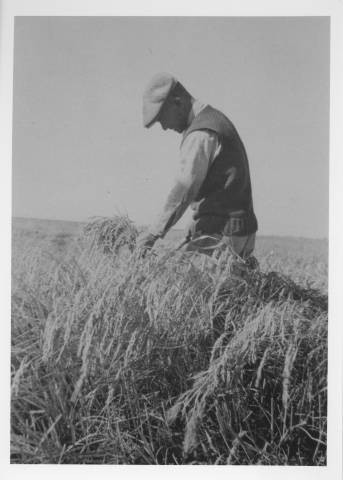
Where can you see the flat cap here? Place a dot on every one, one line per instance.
(154, 96)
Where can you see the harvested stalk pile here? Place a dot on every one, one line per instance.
(111, 233)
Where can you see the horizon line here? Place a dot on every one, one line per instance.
(175, 229)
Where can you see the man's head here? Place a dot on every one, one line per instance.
(166, 101)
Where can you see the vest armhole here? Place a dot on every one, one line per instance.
(200, 130)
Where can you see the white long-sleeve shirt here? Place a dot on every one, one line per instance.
(198, 150)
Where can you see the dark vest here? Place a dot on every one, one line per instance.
(226, 190)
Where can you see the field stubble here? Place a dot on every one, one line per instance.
(114, 359)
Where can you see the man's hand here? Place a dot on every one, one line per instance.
(145, 242)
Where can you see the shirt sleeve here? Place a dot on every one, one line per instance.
(197, 152)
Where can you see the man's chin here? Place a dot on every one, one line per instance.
(180, 129)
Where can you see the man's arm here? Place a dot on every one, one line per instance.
(197, 153)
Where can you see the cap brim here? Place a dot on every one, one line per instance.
(151, 123)
(150, 114)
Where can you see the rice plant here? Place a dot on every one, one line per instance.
(163, 360)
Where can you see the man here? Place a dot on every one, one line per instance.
(213, 176)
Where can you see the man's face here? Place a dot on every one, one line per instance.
(173, 116)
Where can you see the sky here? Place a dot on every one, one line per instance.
(79, 146)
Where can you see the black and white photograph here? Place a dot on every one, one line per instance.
(170, 240)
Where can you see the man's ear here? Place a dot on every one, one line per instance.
(177, 101)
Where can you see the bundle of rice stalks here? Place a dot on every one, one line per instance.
(111, 233)
(262, 398)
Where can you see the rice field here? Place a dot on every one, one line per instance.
(167, 359)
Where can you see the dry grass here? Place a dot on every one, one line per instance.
(111, 234)
(114, 359)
